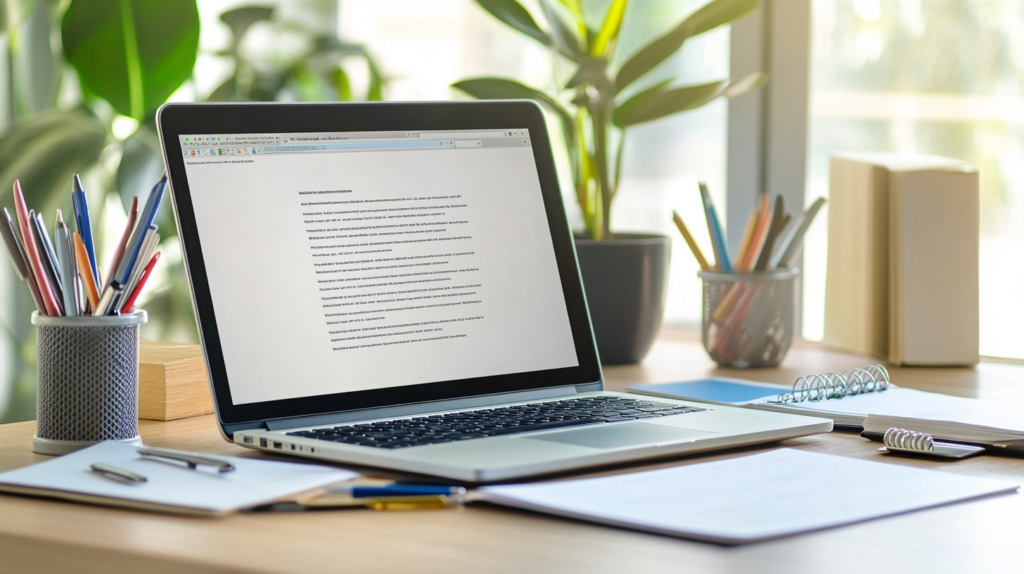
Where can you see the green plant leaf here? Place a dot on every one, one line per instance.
(132, 53)
(637, 100)
(712, 15)
(745, 84)
(502, 89)
(44, 152)
(647, 106)
(512, 13)
(561, 33)
(609, 31)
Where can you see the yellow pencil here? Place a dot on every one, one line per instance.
(85, 271)
(745, 242)
(689, 241)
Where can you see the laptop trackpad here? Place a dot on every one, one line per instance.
(622, 435)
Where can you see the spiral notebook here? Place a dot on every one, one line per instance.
(849, 397)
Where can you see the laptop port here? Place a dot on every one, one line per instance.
(247, 439)
(263, 442)
(277, 445)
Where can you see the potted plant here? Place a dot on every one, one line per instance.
(624, 275)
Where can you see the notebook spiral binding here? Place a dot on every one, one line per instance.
(908, 440)
(836, 385)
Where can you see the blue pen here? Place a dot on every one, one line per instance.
(358, 491)
(715, 229)
(134, 245)
(84, 225)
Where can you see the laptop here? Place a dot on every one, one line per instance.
(395, 285)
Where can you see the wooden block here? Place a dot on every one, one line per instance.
(172, 381)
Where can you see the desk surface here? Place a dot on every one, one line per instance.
(983, 536)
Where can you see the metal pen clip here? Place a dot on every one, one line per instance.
(117, 474)
(192, 460)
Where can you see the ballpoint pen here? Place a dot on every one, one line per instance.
(396, 489)
(67, 269)
(133, 216)
(48, 256)
(117, 474)
(84, 225)
(191, 460)
(134, 245)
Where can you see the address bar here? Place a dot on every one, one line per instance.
(438, 144)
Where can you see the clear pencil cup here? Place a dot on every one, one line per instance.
(88, 381)
(748, 318)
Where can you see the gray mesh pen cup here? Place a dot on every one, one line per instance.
(748, 317)
(88, 384)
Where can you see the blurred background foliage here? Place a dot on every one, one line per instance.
(80, 83)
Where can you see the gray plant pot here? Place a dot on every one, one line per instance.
(626, 280)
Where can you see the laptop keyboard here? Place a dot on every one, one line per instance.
(468, 425)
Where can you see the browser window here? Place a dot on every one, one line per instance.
(353, 261)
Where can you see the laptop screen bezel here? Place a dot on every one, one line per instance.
(176, 120)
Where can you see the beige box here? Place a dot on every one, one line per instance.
(172, 381)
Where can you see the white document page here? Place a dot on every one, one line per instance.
(170, 485)
(353, 270)
(750, 498)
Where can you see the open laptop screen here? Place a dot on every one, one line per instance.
(349, 261)
(354, 256)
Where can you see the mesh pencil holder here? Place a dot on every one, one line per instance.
(88, 383)
(748, 317)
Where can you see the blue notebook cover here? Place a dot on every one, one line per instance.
(729, 391)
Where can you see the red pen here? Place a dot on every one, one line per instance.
(142, 281)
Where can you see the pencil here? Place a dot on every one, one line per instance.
(757, 239)
(85, 271)
(748, 232)
(689, 241)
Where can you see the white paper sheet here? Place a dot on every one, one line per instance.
(751, 498)
(170, 485)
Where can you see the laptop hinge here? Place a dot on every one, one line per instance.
(419, 408)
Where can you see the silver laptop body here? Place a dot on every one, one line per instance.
(395, 285)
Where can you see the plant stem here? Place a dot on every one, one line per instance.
(601, 117)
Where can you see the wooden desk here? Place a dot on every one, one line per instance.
(41, 536)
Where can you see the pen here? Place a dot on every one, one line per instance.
(49, 257)
(715, 229)
(133, 216)
(117, 474)
(142, 282)
(138, 234)
(393, 503)
(67, 269)
(190, 460)
(32, 254)
(359, 491)
(85, 272)
(20, 262)
(84, 225)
